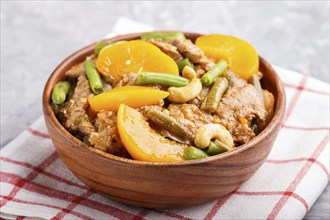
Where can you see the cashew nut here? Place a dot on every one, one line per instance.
(207, 132)
(189, 73)
(184, 94)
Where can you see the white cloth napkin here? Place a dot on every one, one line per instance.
(36, 184)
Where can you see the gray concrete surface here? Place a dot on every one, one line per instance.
(36, 36)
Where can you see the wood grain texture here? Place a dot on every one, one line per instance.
(162, 185)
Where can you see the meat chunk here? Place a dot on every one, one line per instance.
(269, 102)
(79, 69)
(269, 107)
(187, 48)
(191, 116)
(76, 71)
(145, 109)
(236, 110)
(126, 79)
(74, 113)
(206, 64)
(199, 71)
(198, 100)
(192, 52)
(233, 79)
(106, 138)
(166, 48)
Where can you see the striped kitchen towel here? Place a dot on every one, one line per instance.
(36, 184)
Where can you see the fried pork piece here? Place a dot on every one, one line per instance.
(144, 109)
(74, 113)
(236, 110)
(233, 79)
(166, 48)
(191, 51)
(126, 79)
(106, 138)
(78, 69)
(269, 102)
(198, 100)
(199, 71)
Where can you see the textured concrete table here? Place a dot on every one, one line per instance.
(36, 36)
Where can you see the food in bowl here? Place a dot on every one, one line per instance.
(160, 184)
(164, 98)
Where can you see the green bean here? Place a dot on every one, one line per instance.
(254, 80)
(214, 96)
(192, 153)
(177, 35)
(169, 123)
(255, 128)
(214, 149)
(99, 46)
(184, 62)
(163, 79)
(216, 71)
(255, 125)
(94, 78)
(60, 91)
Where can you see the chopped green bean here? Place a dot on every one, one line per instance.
(99, 46)
(161, 35)
(169, 123)
(255, 128)
(60, 91)
(213, 98)
(216, 71)
(192, 153)
(255, 125)
(163, 79)
(184, 62)
(214, 149)
(254, 80)
(94, 78)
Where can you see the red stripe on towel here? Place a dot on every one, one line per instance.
(279, 205)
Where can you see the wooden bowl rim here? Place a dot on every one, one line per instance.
(48, 112)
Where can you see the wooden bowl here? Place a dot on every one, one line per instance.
(156, 184)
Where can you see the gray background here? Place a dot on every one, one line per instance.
(36, 36)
